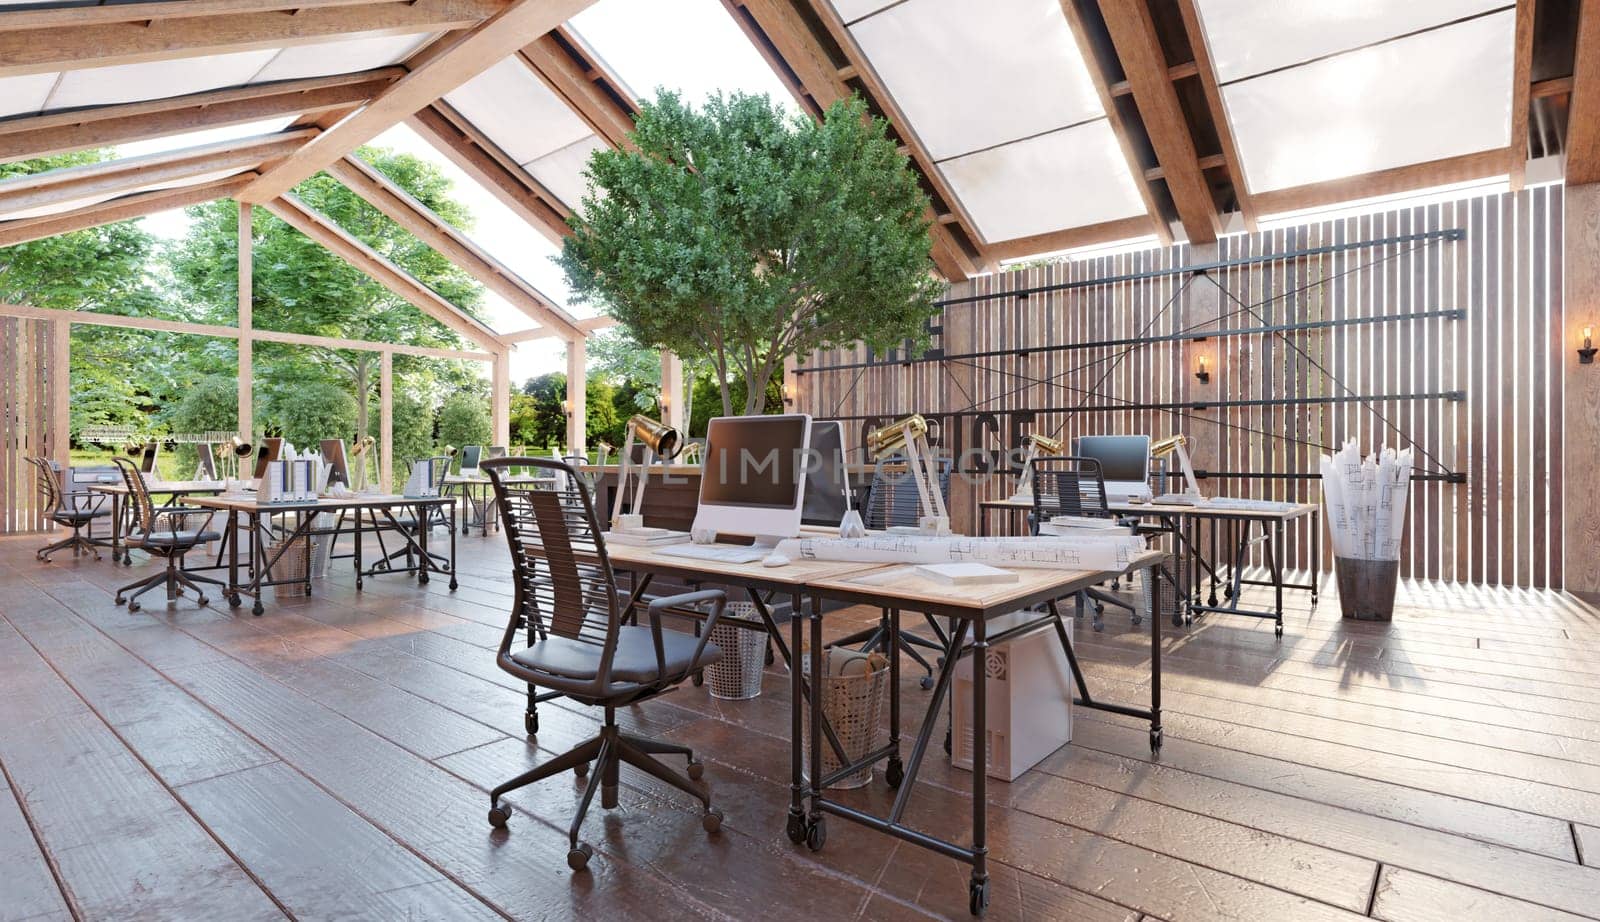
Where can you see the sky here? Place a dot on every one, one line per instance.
(692, 46)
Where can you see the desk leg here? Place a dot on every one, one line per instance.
(357, 550)
(1154, 575)
(816, 827)
(262, 571)
(796, 827)
(454, 585)
(423, 527)
(234, 600)
(1277, 574)
(894, 773)
(978, 887)
(983, 522)
(1316, 555)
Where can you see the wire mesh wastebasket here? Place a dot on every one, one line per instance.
(737, 675)
(853, 705)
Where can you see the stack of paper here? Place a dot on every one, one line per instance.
(1366, 501)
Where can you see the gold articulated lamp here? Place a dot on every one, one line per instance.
(1038, 445)
(909, 436)
(1176, 444)
(360, 454)
(664, 442)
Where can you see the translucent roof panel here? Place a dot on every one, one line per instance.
(1064, 179)
(355, 53)
(513, 106)
(25, 95)
(972, 75)
(561, 171)
(851, 10)
(1424, 97)
(691, 46)
(1249, 37)
(100, 86)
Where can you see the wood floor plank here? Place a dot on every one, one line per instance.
(31, 892)
(1588, 841)
(1405, 896)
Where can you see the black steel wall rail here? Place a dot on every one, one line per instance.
(1176, 405)
(1447, 477)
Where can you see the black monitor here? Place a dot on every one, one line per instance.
(1123, 458)
(207, 468)
(470, 456)
(827, 478)
(268, 453)
(333, 455)
(147, 462)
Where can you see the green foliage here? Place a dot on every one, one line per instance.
(464, 420)
(603, 419)
(746, 235)
(311, 412)
(707, 405)
(211, 404)
(412, 428)
(539, 418)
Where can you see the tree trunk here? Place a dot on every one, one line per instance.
(363, 378)
(755, 396)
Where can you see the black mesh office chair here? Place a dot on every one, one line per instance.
(577, 645)
(1075, 486)
(168, 532)
(66, 510)
(407, 520)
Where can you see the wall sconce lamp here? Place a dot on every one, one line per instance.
(1202, 372)
(1586, 354)
(566, 407)
(789, 393)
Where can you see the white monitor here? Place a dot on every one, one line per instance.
(753, 476)
(1124, 463)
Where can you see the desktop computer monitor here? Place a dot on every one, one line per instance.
(147, 462)
(333, 456)
(206, 464)
(827, 478)
(471, 455)
(1124, 463)
(753, 477)
(497, 451)
(267, 454)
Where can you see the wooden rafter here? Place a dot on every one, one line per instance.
(478, 157)
(1480, 165)
(72, 47)
(323, 230)
(1212, 89)
(1119, 127)
(1583, 113)
(1133, 32)
(582, 81)
(125, 208)
(115, 177)
(1521, 93)
(107, 126)
(783, 36)
(586, 325)
(1105, 232)
(496, 38)
(453, 245)
(151, 11)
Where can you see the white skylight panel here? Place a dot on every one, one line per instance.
(561, 171)
(851, 10)
(1065, 179)
(322, 59)
(25, 95)
(972, 75)
(1438, 94)
(100, 86)
(205, 136)
(1249, 37)
(517, 111)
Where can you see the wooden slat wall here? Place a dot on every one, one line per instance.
(27, 407)
(1501, 527)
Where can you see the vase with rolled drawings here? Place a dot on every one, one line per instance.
(1366, 509)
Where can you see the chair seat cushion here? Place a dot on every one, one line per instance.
(180, 539)
(77, 516)
(635, 659)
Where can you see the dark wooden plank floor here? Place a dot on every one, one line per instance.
(332, 758)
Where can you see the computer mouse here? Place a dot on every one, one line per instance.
(775, 559)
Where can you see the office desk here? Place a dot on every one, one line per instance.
(174, 490)
(1013, 510)
(304, 514)
(1234, 527)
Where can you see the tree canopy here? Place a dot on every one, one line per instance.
(742, 234)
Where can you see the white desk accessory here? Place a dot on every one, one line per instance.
(1177, 445)
(1036, 444)
(910, 435)
(967, 574)
(722, 553)
(1111, 552)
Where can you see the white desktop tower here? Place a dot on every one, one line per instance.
(1029, 701)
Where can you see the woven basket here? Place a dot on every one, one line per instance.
(737, 675)
(292, 566)
(854, 707)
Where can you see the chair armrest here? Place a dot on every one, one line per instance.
(718, 600)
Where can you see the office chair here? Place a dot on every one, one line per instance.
(893, 501)
(63, 509)
(578, 646)
(407, 520)
(1075, 486)
(166, 532)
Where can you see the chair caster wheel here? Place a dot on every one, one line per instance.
(817, 834)
(696, 770)
(795, 828)
(202, 601)
(578, 858)
(1099, 608)
(894, 774)
(499, 816)
(926, 682)
(947, 742)
(1099, 626)
(978, 897)
(1155, 741)
(581, 769)
(712, 820)
(121, 600)
(699, 679)
(1278, 632)
(134, 606)
(770, 658)
(530, 723)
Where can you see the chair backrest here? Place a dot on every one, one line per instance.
(138, 496)
(1068, 486)
(46, 476)
(563, 580)
(893, 500)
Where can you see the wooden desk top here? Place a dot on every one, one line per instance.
(1215, 512)
(1010, 502)
(457, 480)
(230, 503)
(175, 487)
(797, 573)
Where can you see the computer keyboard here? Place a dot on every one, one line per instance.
(1176, 499)
(725, 553)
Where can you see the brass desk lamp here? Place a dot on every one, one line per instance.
(1175, 444)
(360, 454)
(663, 442)
(1037, 445)
(910, 436)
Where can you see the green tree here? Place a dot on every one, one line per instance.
(744, 234)
(310, 412)
(464, 420)
(546, 421)
(412, 428)
(210, 404)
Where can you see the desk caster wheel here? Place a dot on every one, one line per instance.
(978, 897)
(578, 858)
(817, 834)
(712, 820)
(926, 682)
(134, 606)
(1277, 631)
(699, 679)
(499, 816)
(581, 769)
(947, 742)
(530, 723)
(894, 774)
(1155, 741)
(423, 579)
(234, 601)
(796, 828)
(696, 770)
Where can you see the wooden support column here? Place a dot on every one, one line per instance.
(500, 396)
(1202, 303)
(1581, 407)
(672, 391)
(577, 408)
(386, 422)
(246, 324)
(60, 432)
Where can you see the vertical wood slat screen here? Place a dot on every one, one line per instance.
(27, 406)
(1501, 527)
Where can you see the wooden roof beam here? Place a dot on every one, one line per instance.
(108, 126)
(121, 209)
(1212, 90)
(325, 231)
(1072, 238)
(1521, 93)
(587, 87)
(1138, 47)
(114, 177)
(1464, 168)
(585, 326)
(492, 169)
(77, 46)
(477, 51)
(425, 225)
(151, 11)
(1583, 112)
